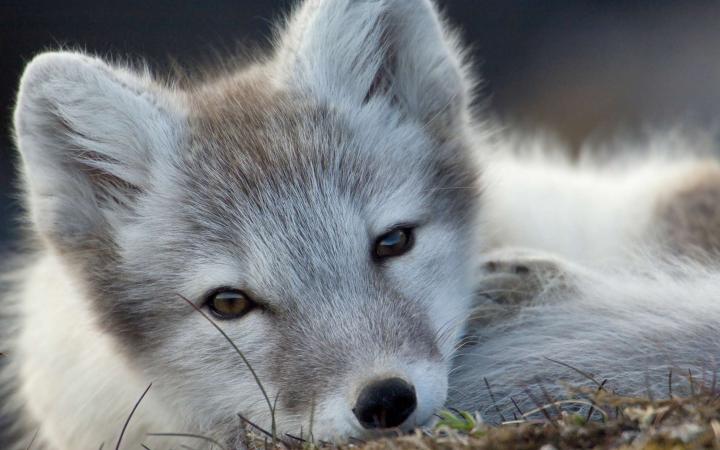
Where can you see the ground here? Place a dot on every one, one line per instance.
(622, 423)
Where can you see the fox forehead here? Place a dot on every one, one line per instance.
(255, 148)
(269, 133)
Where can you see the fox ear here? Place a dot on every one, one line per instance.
(398, 51)
(88, 135)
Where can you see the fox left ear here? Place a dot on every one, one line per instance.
(88, 134)
(397, 51)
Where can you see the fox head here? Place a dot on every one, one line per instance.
(317, 205)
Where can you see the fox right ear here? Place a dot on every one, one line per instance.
(397, 51)
(88, 135)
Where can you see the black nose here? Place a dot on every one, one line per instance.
(385, 403)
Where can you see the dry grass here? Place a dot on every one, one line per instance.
(622, 423)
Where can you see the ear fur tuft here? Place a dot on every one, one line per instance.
(88, 135)
(397, 51)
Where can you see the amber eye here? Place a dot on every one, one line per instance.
(394, 243)
(229, 304)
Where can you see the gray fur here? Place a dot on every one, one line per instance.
(275, 179)
(629, 326)
(17, 428)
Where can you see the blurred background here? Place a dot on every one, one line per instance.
(576, 68)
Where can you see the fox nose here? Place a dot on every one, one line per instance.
(385, 403)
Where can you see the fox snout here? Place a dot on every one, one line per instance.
(393, 395)
(386, 403)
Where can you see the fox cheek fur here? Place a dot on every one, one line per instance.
(275, 180)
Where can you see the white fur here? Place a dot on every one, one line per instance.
(631, 325)
(338, 47)
(97, 140)
(56, 359)
(78, 117)
(590, 214)
(106, 119)
(619, 307)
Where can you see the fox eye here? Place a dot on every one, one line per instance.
(229, 304)
(394, 243)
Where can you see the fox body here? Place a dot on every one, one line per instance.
(344, 191)
(613, 282)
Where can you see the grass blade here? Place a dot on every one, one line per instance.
(127, 421)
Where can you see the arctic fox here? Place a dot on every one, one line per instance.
(341, 214)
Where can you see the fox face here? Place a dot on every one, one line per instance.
(318, 206)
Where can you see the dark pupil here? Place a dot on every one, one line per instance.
(394, 240)
(230, 304)
(394, 243)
